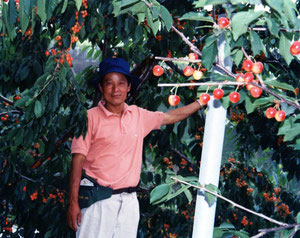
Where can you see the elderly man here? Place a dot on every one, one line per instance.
(111, 154)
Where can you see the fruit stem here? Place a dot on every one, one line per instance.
(207, 89)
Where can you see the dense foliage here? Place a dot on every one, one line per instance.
(43, 105)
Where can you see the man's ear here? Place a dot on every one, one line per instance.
(129, 87)
(100, 88)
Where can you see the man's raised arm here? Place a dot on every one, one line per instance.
(180, 113)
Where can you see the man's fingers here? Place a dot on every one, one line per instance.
(79, 218)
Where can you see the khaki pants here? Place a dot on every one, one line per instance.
(115, 217)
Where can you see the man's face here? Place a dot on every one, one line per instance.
(115, 88)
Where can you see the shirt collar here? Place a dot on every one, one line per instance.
(109, 113)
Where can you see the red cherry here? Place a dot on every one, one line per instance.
(47, 53)
(174, 100)
(204, 98)
(188, 71)
(218, 93)
(257, 67)
(197, 74)
(240, 78)
(280, 115)
(17, 98)
(158, 70)
(247, 65)
(295, 48)
(3, 118)
(193, 56)
(249, 86)
(223, 22)
(255, 92)
(248, 77)
(270, 112)
(234, 97)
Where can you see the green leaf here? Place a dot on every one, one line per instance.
(19, 137)
(298, 218)
(125, 3)
(64, 6)
(90, 53)
(12, 12)
(278, 84)
(78, 4)
(141, 17)
(203, 3)
(238, 57)
(41, 10)
(289, 9)
(209, 52)
(250, 107)
(154, 25)
(276, 5)
(179, 191)
(21, 102)
(241, 20)
(227, 225)
(38, 109)
(28, 4)
(50, 7)
(166, 17)
(284, 48)
(188, 195)
(159, 192)
(256, 43)
(24, 18)
(196, 16)
(96, 55)
(272, 26)
(210, 198)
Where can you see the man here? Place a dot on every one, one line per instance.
(111, 153)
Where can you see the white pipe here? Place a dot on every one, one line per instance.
(211, 157)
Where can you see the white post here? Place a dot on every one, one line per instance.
(211, 158)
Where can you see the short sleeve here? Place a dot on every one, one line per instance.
(151, 120)
(80, 145)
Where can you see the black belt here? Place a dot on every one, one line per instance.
(124, 190)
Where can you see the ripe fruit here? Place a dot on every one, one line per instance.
(270, 112)
(218, 93)
(188, 71)
(257, 67)
(204, 98)
(247, 65)
(53, 51)
(158, 70)
(173, 100)
(197, 74)
(3, 118)
(234, 97)
(223, 22)
(47, 53)
(58, 38)
(249, 86)
(193, 56)
(248, 77)
(295, 48)
(255, 92)
(240, 78)
(17, 98)
(280, 115)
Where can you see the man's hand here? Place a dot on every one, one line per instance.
(74, 213)
(74, 216)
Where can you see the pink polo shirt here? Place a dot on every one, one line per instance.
(113, 144)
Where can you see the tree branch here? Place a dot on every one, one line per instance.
(201, 187)
(6, 100)
(265, 231)
(12, 111)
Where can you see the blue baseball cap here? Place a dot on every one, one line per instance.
(117, 65)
